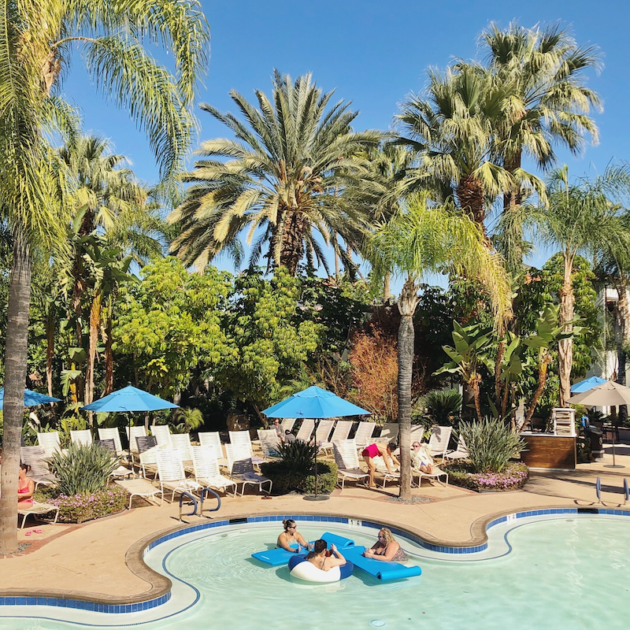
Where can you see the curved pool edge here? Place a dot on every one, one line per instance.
(160, 589)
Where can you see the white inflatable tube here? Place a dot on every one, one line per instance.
(310, 573)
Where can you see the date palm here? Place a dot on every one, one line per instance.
(282, 181)
(452, 128)
(37, 41)
(581, 217)
(424, 238)
(546, 102)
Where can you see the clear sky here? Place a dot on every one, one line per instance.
(374, 53)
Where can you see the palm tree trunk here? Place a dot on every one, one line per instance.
(95, 322)
(109, 354)
(50, 349)
(292, 248)
(471, 197)
(623, 315)
(15, 377)
(565, 346)
(387, 287)
(407, 304)
(543, 366)
(512, 200)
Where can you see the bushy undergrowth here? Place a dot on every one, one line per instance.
(286, 479)
(491, 444)
(298, 456)
(82, 507)
(82, 469)
(513, 477)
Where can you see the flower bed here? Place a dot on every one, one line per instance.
(88, 506)
(514, 477)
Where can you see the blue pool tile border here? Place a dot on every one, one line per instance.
(118, 609)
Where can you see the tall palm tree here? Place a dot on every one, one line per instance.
(581, 217)
(452, 127)
(37, 38)
(282, 180)
(424, 238)
(546, 101)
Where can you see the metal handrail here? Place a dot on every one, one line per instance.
(216, 496)
(188, 495)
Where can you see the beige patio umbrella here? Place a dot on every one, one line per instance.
(609, 394)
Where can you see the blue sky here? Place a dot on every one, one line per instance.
(374, 53)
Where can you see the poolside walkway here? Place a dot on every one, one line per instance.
(93, 560)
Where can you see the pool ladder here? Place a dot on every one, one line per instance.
(187, 498)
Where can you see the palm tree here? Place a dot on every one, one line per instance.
(545, 102)
(37, 38)
(452, 127)
(582, 217)
(282, 180)
(421, 239)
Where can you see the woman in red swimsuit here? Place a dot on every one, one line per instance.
(26, 487)
(379, 449)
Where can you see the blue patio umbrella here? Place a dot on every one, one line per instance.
(316, 403)
(585, 385)
(129, 399)
(31, 399)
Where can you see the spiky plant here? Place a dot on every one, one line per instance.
(491, 444)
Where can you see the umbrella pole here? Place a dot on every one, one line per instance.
(316, 496)
(614, 464)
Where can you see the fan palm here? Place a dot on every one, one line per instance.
(283, 179)
(37, 38)
(545, 102)
(452, 127)
(583, 217)
(421, 239)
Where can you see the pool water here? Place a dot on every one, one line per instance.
(560, 573)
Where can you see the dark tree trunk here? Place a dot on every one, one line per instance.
(512, 201)
(292, 249)
(471, 197)
(14, 383)
(623, 320)
(407, 304)
(109, 354)
(565, 346)
(50, 349)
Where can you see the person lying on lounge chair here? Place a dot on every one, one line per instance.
(421, 458)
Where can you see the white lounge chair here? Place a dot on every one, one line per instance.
(81, 437)
(438, 444)
(206, 469)
(140, 488)
(35, 457)
(306, 430)
(461, 452)
(132, 434)
(436, 474)
(241, 469)
(347, 461)
(49, 442)
(389, 431)
(287, 424)
(341, 432)
(269, 443)
(180, 442)
(213, 438)
(243, 439)
(113, 434)
(147, 454)
(162, 434)
(364, 433)
(381, 468)
(172, 475)
(323, 431)
(37, 509)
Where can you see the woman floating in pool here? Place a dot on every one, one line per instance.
(379, 450)
(290, 536)
(386, 549)
(320, 558)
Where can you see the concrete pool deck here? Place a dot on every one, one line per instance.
(101, 560)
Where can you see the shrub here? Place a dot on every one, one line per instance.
(287, 480)
(513, 477)
(491, 444)
(326, 479)
(86, 506)
(82, 469)
(443, 407)
(298, 456)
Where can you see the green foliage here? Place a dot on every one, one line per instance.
(187, 420)
(268, 343)
(443, 407)
(491, 444)
(171, 322)
(462, 474)
(326, 479)
(82, 469)
(86, 506)
(298, 456)
(285, 479)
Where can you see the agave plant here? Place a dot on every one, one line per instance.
(82, 469)
(443, 406)
(298, 456)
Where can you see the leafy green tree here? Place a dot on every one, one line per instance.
(170, 323)
(580, 218)
(281, 180)
(36, 41)
(421, 239)
(269, 343)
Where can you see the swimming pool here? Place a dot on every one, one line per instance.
(558, 572)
